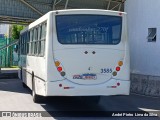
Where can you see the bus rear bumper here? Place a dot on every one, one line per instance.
(65, 88)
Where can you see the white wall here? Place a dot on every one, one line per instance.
(145, 56)
(4, 29)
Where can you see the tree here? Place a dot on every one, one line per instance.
(16, 31)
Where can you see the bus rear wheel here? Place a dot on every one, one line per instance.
(36, 98)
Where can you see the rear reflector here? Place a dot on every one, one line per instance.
(118, 84)
(113, 86)
(66, 87)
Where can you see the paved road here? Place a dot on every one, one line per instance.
(13, 97)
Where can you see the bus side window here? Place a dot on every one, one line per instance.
(25, 38)
(22, 44)
(43, 39)
(30, 43)
(39, 40)
(35, 41)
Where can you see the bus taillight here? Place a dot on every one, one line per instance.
(63, 73)
(57, 63)
(120, 63)
(59, 69)
(114, 73)
(118, 68)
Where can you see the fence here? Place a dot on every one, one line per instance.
(8, 53)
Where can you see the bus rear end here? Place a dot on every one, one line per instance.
(90, 54)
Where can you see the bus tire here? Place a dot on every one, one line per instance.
(36, 98)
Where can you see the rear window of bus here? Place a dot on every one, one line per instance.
(89, 29)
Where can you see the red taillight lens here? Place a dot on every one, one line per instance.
(59, 69)
(118, 68)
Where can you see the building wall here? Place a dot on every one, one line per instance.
(4, 29)
(145, 56)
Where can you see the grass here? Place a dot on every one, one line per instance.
(14, 66)
(11, 67)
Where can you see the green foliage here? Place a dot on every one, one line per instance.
(16, 31)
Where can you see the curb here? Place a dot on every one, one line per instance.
(8, 75)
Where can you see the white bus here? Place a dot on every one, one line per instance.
(81, 52)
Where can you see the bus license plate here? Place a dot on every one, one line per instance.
(89, 76)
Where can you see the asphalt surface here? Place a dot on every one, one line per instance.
(13, 97)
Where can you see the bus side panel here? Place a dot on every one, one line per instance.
(42, 72)
(52, 73)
